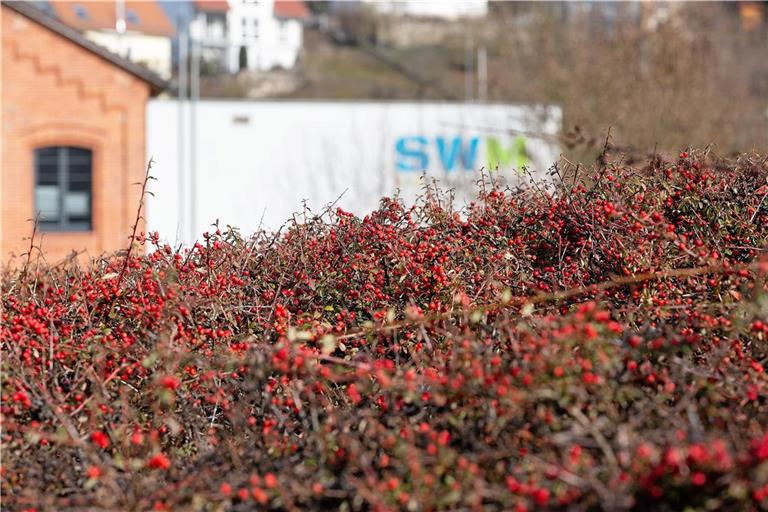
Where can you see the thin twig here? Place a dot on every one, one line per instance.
(135, 224)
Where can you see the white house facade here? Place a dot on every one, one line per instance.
(137, 30)
(149, 50)
(264, 34)
(209, 26)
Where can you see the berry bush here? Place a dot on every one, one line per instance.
(598, 345)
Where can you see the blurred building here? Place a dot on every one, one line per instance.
(137, 30)
(403, 23)
(73, 136)
(265, 34)
(211, 29)
(441, 9)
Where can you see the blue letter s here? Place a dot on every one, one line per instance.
(416, 153)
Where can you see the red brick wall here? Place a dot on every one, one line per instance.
(55, 92)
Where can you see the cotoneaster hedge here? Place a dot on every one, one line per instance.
(599, 346)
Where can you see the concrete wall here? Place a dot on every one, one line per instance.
(257, 161)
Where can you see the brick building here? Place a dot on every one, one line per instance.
(73, 136)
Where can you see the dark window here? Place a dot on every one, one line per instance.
(80, 12)
(63, 188)
(132, 17)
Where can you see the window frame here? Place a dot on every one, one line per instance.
(63, 224)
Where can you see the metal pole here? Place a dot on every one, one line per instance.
(482, 74)
(120, 26)
(181, 228)
(195, 97)
(468, 72)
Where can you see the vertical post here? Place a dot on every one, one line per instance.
(482, 74)
(468, 67)
(120, 25)
(195, 97)
(182, 76)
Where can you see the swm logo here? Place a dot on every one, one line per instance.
(416, 153)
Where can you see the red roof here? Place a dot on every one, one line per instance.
(140, 16)
(212, 5)
(291, 9)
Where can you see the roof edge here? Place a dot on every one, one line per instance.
(28, 10)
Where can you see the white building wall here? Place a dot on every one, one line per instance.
(270, 42)
(211, 30)
(444, 9)
(255, 162)
(152, 51)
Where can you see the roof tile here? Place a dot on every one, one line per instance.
(291, 9)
